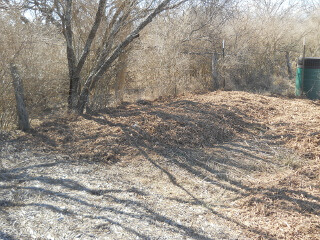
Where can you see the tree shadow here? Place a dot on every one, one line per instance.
(194, 159)
(138, 210)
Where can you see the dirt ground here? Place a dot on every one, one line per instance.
(223, 165)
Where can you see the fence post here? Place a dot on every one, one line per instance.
(23, 118)
(215, 80)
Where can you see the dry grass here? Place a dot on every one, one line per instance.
(224, 165)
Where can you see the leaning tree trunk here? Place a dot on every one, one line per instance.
(105, 65)
(23, 118)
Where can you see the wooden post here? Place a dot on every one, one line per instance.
(223, 55)
(23, 118)
(223, 48)
(303, 62)
(214, 65)
(289, 66)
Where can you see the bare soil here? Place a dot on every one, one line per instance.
(223, 165)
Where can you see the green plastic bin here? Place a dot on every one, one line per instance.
(311, 79)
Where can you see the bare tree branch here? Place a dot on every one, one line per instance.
(91, 36)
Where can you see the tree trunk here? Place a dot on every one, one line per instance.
(74, 66)
(105, 65)
(215, 77)
(73, 91)
(23, 118)
(68, 34)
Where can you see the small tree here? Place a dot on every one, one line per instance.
(111, 18)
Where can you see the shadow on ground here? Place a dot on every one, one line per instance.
(194, 138)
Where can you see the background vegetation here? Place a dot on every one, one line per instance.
(172, 56)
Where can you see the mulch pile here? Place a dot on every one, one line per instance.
(182, 123)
